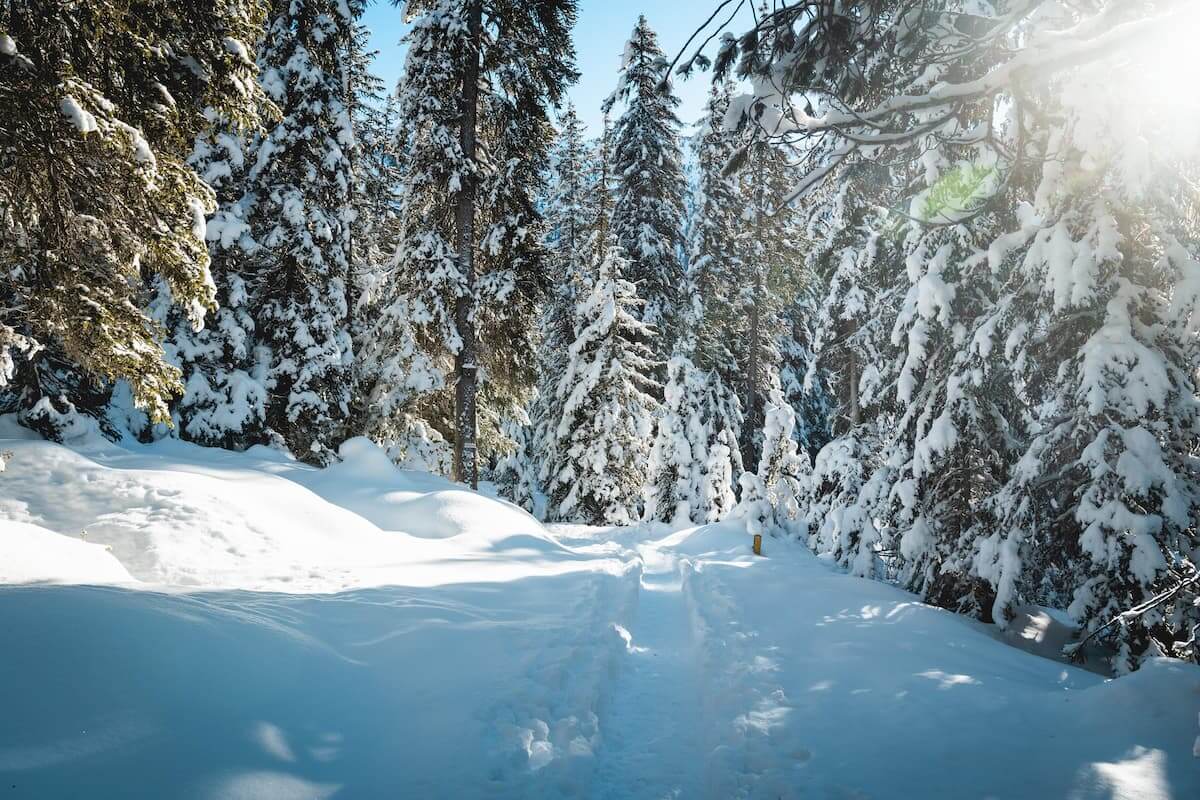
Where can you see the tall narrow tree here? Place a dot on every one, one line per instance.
(648, 214)
(605, 424)
(476, 134)
(300, 215)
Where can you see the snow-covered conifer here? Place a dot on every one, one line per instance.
(718, 238)
(648, 214)
(573, 222)
(1099, 511)
(469, 264)
(673, 492)
(224, 399)
(773, 497)
(299, 211)
(516, 474)
(809, 397)
(97, 195)
(605, 424)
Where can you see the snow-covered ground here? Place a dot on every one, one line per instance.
(189, 623)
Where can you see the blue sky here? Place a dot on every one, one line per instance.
(600, 35)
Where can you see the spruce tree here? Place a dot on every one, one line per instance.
(469, 261)
(772, 257)
(712, 318)
(572, 225)
(97, 197)
(718, 241)
(1099, 510)
(224, 399)
(808, 397)
(648, 212)
(773, 498)
(673, 491)
(300, 213)
(606, 401)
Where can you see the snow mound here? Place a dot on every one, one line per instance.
(174, 514)
(30, 554)
(728, 538)
(419, 504)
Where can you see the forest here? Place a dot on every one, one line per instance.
(918, 291)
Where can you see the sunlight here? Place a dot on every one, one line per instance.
(1142, 773)
(1150, 91)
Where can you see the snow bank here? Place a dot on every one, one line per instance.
(176, 515)
(29, 554)
(419, 504)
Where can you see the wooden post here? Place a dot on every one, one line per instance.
(758, 544)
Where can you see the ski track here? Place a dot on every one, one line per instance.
(651, 720)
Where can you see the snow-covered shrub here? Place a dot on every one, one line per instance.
(773, 498)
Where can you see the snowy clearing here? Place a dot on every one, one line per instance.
(255, 628)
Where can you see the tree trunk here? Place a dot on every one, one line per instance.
(466, 361)
(754, 423)
(852, 384)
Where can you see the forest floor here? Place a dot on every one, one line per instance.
(184, 623)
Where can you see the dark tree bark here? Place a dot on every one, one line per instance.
(466, 361)
(754, 423)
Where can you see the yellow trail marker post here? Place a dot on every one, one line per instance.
(758, 544)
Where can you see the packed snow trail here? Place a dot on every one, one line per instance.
(828, 686)
(651, 728)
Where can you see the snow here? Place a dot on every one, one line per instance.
(241, 625)
(82, 119)
(31, 554)
(183, 516)
(237, 48)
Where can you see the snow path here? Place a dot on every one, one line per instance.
(651, 728)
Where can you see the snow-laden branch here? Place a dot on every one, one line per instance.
(1057, 51)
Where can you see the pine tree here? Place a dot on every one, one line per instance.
(773, 497)
(516, 474)
(772, 260)
(300, 213)
(469, 262)
(713, 320)
(718, 241)
(572, 225)
(649, 206)
(853, 258)
(1099, 511)
(224, 399)
(606, 405)
(954, 405)
(673, 492)
(100, 116)
(809, 398)
(374, 193)
(694, 457)
(390, 370)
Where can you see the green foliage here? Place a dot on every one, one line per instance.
(102, 100)
(959, 191)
